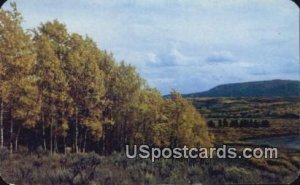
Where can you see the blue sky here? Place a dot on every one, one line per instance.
(188, 45)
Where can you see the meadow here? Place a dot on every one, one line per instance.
(282, 114)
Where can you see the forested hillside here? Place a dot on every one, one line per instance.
(59, 91)
(271, 88)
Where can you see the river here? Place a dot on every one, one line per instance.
(290, 142)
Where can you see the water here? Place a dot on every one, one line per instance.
(291, 142)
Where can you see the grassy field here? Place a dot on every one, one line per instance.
(282, 114)
(278, 127)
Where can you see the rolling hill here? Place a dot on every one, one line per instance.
(271, 88)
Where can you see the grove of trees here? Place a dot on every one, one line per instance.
(58, 90)
(236, 123)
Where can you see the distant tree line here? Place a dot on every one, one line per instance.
(236, 123)
(58, 90)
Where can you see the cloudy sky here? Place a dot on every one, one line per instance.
(188, 45)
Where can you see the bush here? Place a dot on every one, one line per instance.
(4, 153)
(90, 169)
(237, 175)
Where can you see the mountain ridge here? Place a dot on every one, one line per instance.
(266, 88)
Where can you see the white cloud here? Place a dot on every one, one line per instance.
(221, 56)
(254, 37)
